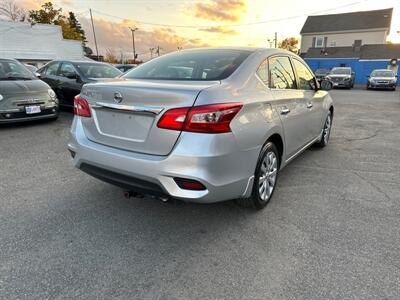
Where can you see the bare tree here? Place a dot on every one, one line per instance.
(12, 11)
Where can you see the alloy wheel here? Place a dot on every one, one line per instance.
(327, 128)
(268, 173)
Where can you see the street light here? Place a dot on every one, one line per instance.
(133, 29)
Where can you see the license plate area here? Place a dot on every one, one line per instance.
(32, 109)
(123, 125)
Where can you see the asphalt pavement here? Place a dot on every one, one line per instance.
(332, 230)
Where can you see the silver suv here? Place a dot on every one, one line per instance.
(202, 125)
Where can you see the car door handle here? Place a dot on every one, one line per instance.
(285, 111)
(309, 105)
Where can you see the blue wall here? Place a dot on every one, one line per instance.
(362, 68)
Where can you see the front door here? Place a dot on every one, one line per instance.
(314, 100)
(288, 103)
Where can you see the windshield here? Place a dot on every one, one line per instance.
(341, 71)
(382, 74)
(13, 70)
(97, 70)
(321, 71)
(204, 65)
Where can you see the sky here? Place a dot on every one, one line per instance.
(198, 23)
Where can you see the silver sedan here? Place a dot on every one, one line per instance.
(202, 125)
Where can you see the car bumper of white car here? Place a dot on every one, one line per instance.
(226, 172)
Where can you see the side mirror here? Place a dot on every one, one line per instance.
(368, 76)
(326, 85)
(38, 75)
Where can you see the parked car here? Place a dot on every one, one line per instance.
(124, 67)
(382, 79)
(23, 97)
(224, 133)
(320, 74)
(341, 77)
(66, 78)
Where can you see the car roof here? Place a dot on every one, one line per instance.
(265, 51)
(80, 61)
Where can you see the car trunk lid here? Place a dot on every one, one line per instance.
(125, 113)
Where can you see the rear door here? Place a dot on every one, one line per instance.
(125, 113)
(288, 102)
(313, 99)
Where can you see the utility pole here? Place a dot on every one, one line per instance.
(94, 35)
(276, 40)
(133, 29)
(151, 52)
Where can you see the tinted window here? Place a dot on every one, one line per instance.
(281, 73)
(51, 69)
(13, 70)
(67, 69)
(306, 78)
(262, 72)
(97, 70)
(191, 65)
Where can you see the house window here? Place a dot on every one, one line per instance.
(319, 42)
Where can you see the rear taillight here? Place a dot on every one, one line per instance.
(173, 118)
(214, 118)
(81, 107)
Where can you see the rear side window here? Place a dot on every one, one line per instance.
(281, 73)
(191, 65)
(306, 78)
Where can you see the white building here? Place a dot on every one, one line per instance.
(346, 30)
(36, 44)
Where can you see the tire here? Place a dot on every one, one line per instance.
(263, 185)
(326, 131)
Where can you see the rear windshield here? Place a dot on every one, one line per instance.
(191, 65)
(14, 70)
(382, 74)
(341, 71)
(93, 70)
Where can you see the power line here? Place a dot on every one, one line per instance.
(238, 24)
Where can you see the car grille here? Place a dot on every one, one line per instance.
(383, 82)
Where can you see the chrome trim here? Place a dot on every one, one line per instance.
(302, 149)
(142, 109)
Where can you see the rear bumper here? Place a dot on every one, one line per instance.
(227, 172)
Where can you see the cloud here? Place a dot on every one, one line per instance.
(117, 37)
(220, 30)
(220, 10)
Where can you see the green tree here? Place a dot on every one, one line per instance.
(77, 27)
(290, 44)
(48, 14)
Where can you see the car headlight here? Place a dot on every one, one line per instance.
(393, 81)
(51, 93)
(1, 97)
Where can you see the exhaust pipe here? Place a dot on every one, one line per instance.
(132, 194)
